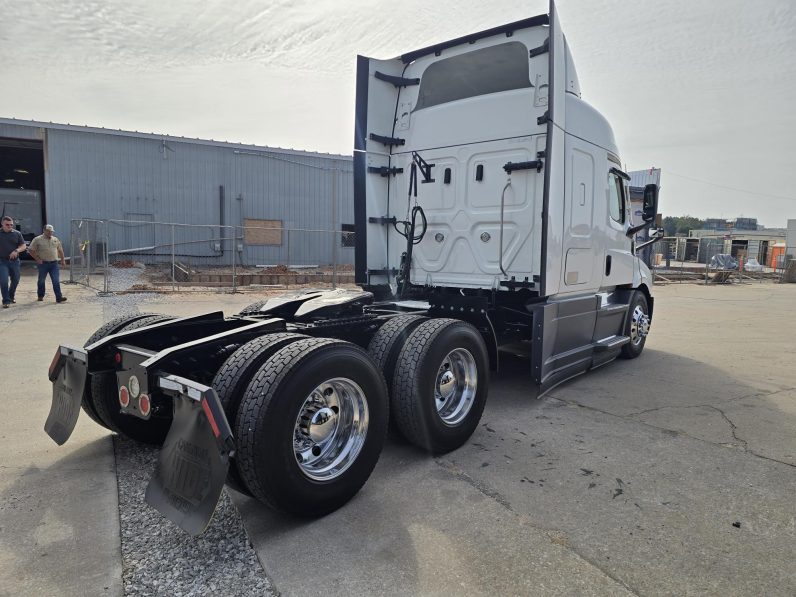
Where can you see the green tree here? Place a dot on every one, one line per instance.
(680, 225)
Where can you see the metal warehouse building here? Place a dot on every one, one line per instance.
(290, 201)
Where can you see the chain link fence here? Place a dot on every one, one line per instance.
(146, 256)
(720, 260)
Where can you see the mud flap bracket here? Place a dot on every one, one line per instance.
(194, 460)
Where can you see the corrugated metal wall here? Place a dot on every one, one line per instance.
(122, 176)
(16, 131)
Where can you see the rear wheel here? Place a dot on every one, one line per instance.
(111, 327)
(637, 326)
(312, 426)
(441, 384)
(387, 343)
(235, 374)
(105, 399)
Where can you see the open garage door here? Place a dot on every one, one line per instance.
(22, 184)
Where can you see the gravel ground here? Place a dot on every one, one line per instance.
(160, 559)
(116, 305)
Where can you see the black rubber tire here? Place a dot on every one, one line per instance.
(234, 376)
(388, 341)
(110, 327)
(253, 308)
(106, 402)
(630, 350)
(267, 418)
(413, 400)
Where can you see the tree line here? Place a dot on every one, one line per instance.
(674, 225)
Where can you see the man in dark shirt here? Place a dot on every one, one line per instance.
(11, 245)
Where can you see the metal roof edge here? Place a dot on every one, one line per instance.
(161, 137)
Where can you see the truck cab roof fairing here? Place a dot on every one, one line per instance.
(507, 29)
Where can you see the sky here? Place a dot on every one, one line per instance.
(702, 89)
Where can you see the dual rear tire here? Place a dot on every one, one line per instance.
(310, 426)
(439, 381)
(311, 414)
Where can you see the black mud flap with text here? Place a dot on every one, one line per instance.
(193, 462)
(68, 374)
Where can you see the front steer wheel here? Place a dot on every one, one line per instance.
(637, 326)
(440, 385)
(311, 426)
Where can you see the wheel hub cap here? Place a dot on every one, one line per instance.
(322, 424)
(456, 385)
(446, 384)
(330, 429)
(639, 325)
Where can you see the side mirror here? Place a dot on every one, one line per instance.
(650, 208)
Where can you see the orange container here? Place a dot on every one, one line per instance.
(777, 250)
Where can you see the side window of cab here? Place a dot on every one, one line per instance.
(616, 198)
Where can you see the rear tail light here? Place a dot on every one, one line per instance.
(134, 385)
(117, 357)
(124, 397)
(144, 404)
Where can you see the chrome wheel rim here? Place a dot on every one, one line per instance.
(330, 429)
(639, 325)
(455, 386)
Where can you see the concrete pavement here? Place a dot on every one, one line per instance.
(669, 475)
(59, 515)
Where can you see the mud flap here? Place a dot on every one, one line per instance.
(68, 374)
(192, 465)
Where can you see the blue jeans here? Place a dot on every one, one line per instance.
(49, 267)
(9, 270)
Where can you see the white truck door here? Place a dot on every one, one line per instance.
(619, 261)
(378, 93)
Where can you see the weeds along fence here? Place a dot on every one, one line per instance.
(720, 260)
(129, 256)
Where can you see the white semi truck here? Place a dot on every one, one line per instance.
(491, 209)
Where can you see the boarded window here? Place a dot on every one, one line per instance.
(348, 236)
(262, 232)
(489, 70)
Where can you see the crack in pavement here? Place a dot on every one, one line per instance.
(761, 394)
(744, 447)
(733, 427)
(555, 536)
(8, 323)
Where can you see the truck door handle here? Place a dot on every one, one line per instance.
(537, 165)
(608, 265)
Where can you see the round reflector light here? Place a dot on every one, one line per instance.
(144, 404)
(124, 397)
(135, 387)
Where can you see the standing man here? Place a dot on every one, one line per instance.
(11, 245)
(46, 249)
